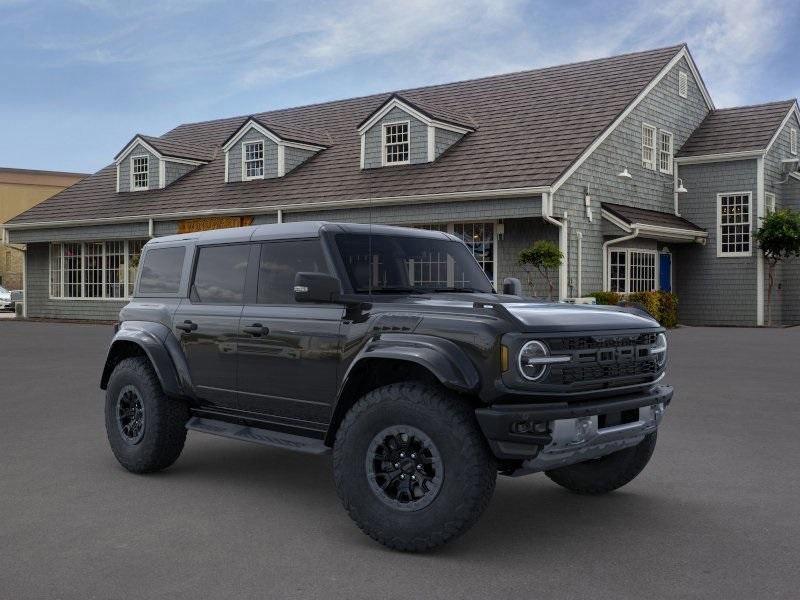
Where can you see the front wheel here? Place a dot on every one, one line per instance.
(607, 473)
(411, 466)
(146, 430)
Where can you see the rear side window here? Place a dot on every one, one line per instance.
(220, 274)
(280, 262)
(161, 271)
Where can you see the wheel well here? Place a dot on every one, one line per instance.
(119, 351)
(370, 374)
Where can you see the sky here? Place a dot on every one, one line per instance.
(81, 77)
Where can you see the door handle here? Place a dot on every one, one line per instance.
(186, 326)
(256, 329)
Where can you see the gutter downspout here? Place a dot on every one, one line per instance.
(150, 228)
(625, 238)
(675, 187)
(580, 264)
(563, 242)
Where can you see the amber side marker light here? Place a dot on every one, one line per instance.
(504, 358)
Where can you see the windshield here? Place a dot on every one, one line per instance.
(407, 264)
(3, 290)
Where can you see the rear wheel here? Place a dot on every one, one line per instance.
(146, 430)
(607, 473)
(411, 466)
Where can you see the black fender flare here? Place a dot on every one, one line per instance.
(162, 349)
(442, 358)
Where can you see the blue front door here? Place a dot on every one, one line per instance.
(665, 272)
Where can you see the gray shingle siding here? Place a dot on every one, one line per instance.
(270, 156)
(786, 288)
(443, 139)
(438, 212)
(715, 290)
(122, 231)
(174, 170)
(40, 305)
(125, 169)
(294, 157)
(418, 139)
(648, 189)
(519, 234)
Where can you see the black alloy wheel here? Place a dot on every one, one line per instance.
(404, 468)
(130, 415)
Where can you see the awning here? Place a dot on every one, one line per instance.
(653, 224)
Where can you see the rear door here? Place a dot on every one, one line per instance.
(288, 352)
(207, 324)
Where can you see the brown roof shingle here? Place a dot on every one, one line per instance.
(738, 129)
(630, 215)
(530, 127)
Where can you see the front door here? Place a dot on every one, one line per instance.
(207, 324)
(665, 271)
(288, 352)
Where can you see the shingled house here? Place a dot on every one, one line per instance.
(623, 161)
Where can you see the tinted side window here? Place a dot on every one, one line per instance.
(280, 262)
(220, 273)
(161, 271)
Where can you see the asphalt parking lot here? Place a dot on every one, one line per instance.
(715, 515)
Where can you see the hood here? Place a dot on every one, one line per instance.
(578, 317)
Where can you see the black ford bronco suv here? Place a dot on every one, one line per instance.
(389, 348)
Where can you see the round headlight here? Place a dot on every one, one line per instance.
(660, 350)
(530, 357)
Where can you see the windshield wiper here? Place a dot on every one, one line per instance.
(390, 290)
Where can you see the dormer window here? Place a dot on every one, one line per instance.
(396, 148)
(253, 166)
(140, 169)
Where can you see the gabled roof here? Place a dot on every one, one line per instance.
(530, 128)
(286, 132)
(167, 148)
(431, 114)
(738, 129)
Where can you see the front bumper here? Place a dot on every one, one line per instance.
(547, 436)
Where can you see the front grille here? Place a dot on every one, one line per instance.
(599, 361)
(598, 342)
(570, 375)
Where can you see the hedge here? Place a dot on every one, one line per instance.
(662, 305)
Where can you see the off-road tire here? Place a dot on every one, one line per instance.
(164, 419)
(469, 469)
(607, 473)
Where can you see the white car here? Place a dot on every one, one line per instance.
(5, 299)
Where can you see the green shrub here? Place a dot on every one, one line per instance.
(649, 300)
(662, 305)
(611, 298)
(668, 313)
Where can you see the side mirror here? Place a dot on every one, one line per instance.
(512, 286)
(316, 287)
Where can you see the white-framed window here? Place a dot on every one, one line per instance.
(253, 160)
(479, 236)
(648, 146)
(632, 270)
(793, 140)
(683, 84)
(94, 270)
(769, 200)
(140, 173)
(396, 143)
(734, 223)
(665, 152)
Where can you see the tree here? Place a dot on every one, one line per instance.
(779, 239)
(543, 256)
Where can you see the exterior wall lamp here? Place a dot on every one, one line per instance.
(680, 189)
